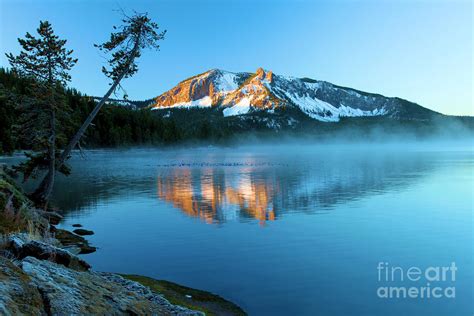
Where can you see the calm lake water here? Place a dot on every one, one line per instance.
(285, 230)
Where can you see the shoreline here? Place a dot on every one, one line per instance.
(42, 272)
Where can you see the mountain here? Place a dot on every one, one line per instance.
(263, 92)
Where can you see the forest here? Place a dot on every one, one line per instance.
(114, 126)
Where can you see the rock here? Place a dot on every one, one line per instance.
(85, 249)
(255, 89)
(15, 211)
(69, 292)
(69, 239)
(73, 249)
(76, 225)
(52, 217)
(44, 251)
(83, 232)
(269, 76)
(15, 243)
(18, 294)
(260, 73)
(207, 302)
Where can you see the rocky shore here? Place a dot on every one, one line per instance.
(42, 274)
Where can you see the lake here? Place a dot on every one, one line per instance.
(284, 230)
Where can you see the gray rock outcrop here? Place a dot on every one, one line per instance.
(41, 287)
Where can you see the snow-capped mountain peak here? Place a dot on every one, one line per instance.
(243, 93)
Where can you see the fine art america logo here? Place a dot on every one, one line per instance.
(416, 282)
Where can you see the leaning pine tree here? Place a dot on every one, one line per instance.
(46, 61)
(138, 32)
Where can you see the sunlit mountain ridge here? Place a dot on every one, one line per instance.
(242, 93)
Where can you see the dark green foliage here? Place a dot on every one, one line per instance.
(13, 89)
(114, 126)
(42, 109)
(205, 130)
(125, 44)
(7, 144)
(43, 58)
(118, 126)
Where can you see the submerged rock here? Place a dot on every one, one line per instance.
(83, 232)
(85, 249)
(76, 225)
(69, 239)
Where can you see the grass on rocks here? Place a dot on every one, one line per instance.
(176, 294)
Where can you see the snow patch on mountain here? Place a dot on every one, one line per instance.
(315, 108)
(242, 107)
(201, 103)
(226, 82)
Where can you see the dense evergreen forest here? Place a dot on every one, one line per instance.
(114, 125)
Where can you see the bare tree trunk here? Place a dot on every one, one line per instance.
(43, 192)
(48, 179)
(46, 192)
(75, 140)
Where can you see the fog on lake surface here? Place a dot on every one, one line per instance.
(295, 230)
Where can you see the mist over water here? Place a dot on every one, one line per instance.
(282, 227)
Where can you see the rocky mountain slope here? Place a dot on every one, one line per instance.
(243, 93)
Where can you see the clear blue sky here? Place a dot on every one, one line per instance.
(417, 50)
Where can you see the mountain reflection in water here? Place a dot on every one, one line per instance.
(214, 195)
(266, 191)
(220, 185)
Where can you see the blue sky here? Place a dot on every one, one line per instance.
(417, 50)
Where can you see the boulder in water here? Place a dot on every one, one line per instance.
(83, 232)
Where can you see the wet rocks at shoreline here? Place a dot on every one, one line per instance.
(83, 232)
(20, 247)
(74, 241)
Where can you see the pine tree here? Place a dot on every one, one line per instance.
(47, 62)
(137, 33)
